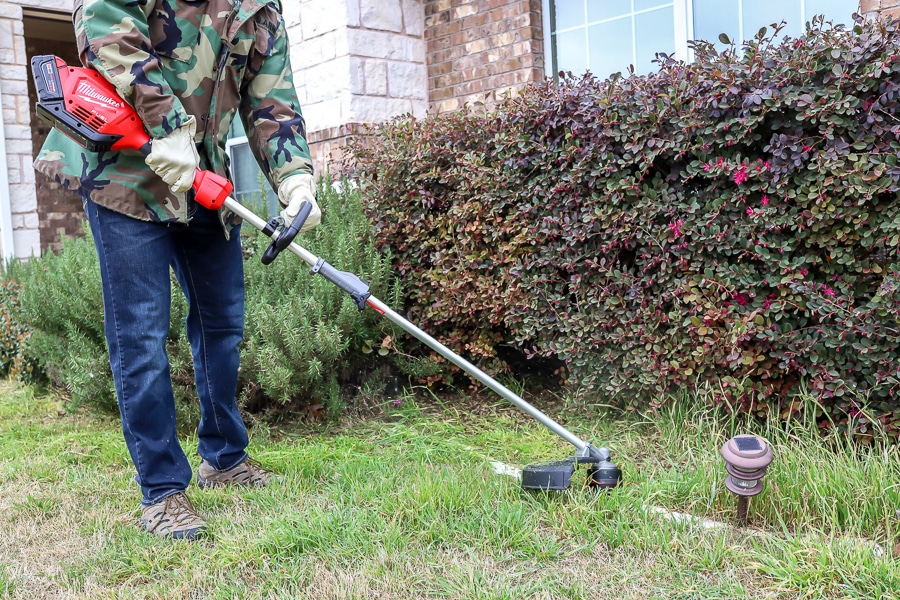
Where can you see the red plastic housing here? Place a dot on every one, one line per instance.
(211, 190)
(95, 102)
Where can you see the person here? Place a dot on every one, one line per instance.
(188, 67)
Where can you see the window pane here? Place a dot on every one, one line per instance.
(600, 10)
(571, 51)
(569, 13)
(839, 11)
(655, 33)
(250, 186)
(646, 4)
(762, 13)
(712, 17)
(611, 48)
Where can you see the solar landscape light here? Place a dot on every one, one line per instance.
(746, 459)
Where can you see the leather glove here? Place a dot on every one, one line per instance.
(294, 191)
(174, 157)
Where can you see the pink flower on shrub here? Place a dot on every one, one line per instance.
(765, 200)
(741, 299)
(827, 291)
(707, 167)
(740, 176)
(675, 227)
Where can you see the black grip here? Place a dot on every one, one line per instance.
(357, 288)
(287, 235)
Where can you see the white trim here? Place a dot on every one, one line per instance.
(230, 143)
(6, 229)
(683, 29)
(549, 71)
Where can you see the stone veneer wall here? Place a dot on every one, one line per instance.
(16, 109)
(355, 62)
(479, 50)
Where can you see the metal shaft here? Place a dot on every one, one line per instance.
(379, 306)
(477, 373)
(743, 508)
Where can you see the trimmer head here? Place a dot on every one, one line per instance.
(557, 475)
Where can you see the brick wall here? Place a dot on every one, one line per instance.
(478, 50)
(875, 7)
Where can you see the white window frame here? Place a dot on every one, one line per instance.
(230, 146)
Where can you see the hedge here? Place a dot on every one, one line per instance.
(730, 224)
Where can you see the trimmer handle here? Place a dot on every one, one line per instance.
(287, 235)
(211, 190)
(88, 108)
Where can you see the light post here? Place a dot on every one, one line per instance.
(746, 459)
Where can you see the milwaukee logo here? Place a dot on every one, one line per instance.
(85, 89)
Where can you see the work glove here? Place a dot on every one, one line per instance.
(294, 191)
(174, 157)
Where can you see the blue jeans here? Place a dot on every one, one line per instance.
(135, 258)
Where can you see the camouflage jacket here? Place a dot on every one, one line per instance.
(171, 59)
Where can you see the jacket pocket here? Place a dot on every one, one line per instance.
(265, 24)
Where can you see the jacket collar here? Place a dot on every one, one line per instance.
(245, 11)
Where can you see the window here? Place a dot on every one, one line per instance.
(606, 36)
(741, 19)
(251, 188)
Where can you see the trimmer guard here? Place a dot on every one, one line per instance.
(548, 476)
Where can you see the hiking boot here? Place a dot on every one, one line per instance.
(248, 472)
(173, 517)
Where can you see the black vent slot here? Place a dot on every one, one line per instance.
(92, 120)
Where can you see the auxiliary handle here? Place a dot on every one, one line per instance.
(282, 238)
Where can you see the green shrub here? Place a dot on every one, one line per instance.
(62, 303)
(14, 334)
(303, 337)
(730, 223)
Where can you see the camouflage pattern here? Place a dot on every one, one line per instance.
(173, 59)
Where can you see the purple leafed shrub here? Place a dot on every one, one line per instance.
(732, 223)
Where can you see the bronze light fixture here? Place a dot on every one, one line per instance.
(746, 459)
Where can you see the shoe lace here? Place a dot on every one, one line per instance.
(179, 504)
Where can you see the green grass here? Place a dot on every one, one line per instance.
(407, 505)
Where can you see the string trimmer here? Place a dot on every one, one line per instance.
(86, 107)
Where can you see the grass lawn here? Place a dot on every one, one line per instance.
(408, 505)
